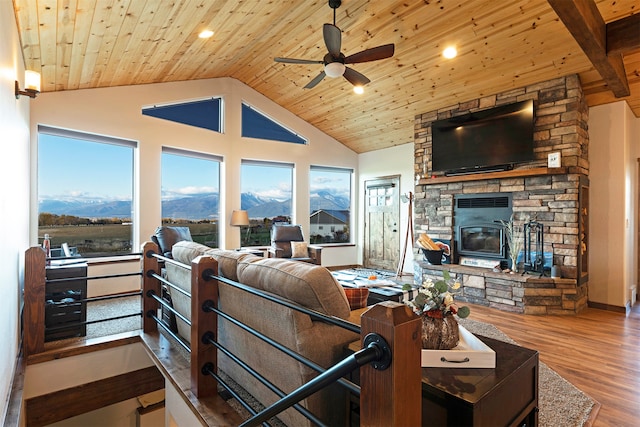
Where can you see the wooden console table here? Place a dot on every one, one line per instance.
(506, 395)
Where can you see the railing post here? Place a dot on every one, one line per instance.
(392, 397)
(149, 263)
(35, 277)
(203, 292)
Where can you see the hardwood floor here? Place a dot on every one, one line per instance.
(598, 351)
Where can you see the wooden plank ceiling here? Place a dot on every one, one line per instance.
(502, 44)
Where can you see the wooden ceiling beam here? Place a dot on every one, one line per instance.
(623, 35)
(586, 25)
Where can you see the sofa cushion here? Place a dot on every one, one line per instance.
(357, 297)
(299, 250)
(185, 252)
(309, 285)
(228, 261)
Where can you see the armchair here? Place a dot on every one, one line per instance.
(166, 236)
(287, 241)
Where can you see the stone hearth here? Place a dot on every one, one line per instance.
(555, 197)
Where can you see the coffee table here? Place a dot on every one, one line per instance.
(378, 293)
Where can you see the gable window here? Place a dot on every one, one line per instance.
(203, 113)
(85, 191)
(191, 193)
(256, 124)
(330, 204)
(266, 194)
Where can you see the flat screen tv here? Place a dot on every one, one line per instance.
(493, 139)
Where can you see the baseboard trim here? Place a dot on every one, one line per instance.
(607, 307)
(13, 409)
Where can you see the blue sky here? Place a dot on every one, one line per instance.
(67, 168)
(185, 176)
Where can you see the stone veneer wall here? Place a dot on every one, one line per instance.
(551, 197)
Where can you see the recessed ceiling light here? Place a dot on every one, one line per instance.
(450, 52)
(205, 34)
(358, 89)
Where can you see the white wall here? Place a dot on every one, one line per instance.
(14, 202)
(117, 112)
(613, 218)
(396, 160)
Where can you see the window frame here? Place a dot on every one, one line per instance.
(294, 135)
(274, 164)
(199, 156)
(337, 169)
(98, 139)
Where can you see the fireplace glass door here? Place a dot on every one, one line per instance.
(484, 240)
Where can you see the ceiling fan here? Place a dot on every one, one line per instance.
(334, 61)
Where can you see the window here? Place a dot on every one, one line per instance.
(204, 113)
(85, 191)
(266, 189)
(191, 193)
(256, 124)
(330, 202)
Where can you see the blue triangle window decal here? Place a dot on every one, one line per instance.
(206, 113)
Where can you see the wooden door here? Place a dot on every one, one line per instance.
(382, 223)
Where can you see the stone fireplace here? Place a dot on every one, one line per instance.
(555, 197)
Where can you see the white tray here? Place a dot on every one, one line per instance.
(469, 353)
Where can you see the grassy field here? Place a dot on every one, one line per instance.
(116, 238)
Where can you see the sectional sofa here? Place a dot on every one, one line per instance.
(311, 286)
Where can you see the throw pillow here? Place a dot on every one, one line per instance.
(357, 297)
(299, 250)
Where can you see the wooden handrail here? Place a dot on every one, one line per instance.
(149, 263)
(34, 293)
(392, 397)
(203, 291)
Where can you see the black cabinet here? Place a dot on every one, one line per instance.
(65, 292)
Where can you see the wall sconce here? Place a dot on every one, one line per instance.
(31, 85)
(240, 218)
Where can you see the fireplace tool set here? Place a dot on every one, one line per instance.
(533, 248)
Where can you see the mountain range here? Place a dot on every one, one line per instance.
(202, 206)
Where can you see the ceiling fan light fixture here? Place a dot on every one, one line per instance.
(358, 89)
(334, 69)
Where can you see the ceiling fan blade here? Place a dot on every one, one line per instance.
(332, 39)
(373, 54)
(297, 61)
(355, 78)
(316, 80)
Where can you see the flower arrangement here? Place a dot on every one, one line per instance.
(435, 299)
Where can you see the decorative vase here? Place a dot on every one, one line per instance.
(514, 265)
(439, 333)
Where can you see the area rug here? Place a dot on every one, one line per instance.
(106, 309)
(561, 404)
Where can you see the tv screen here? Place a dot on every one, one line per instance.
(496, 138)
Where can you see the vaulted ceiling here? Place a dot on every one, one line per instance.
(502, 44)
